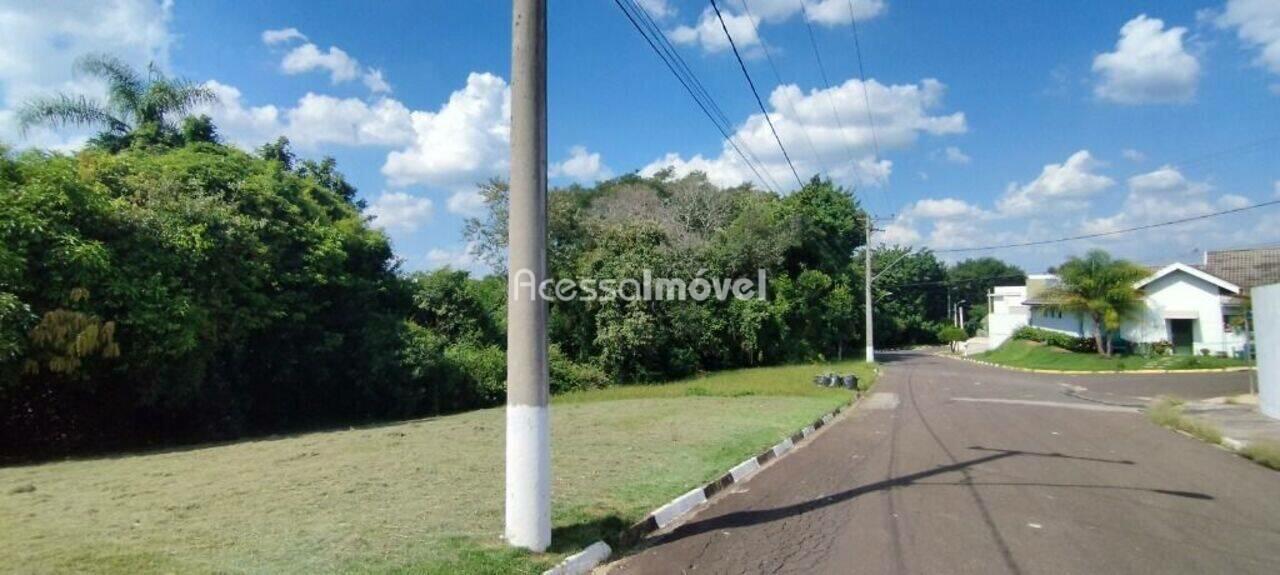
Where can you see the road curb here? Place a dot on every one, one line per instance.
(583, 561)
(1078, 372)
(680, 507)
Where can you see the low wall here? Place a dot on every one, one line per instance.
(1266, 319)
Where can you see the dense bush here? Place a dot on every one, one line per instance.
(951, 334)
(190, 292)
(1054, 338)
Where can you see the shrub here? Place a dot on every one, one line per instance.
(481, 370)
(951, 334)
(568, 375)
(1055, 339)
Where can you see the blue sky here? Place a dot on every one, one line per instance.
(998, 123)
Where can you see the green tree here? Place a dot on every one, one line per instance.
(829, 226)
(138, 109)
(1100, 288)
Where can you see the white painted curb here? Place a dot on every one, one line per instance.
(744, 470)
(583, 561)
(1233, 444)
(678, 506)
(782, 447)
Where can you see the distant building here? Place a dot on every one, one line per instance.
(1192, 307)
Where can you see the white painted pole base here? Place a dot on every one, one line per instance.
(871, 354)
(528, 477)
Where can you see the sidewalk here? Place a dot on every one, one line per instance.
(1240, 424)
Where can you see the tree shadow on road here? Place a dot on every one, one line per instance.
(756, 517)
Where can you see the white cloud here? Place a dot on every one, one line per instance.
(463, 143)
(1157, 196)
(955, 155)
(825, 12)
(321, 119)
(1149, 65)
(1233, 202)
(467, 203)
(399, 211)
(1276, 191)
(40, 41)
(316, 120)
(836, 12)
(944, 208)
(1160, 195)
(282, 36)
(1059, 187)
(1257, 24)
(581, 166)
(1133, 155)
(901, 114)
(659, 9)
(710, 35)
(459, 258)
(374, 81)
(245, 126)
(744, 24)
(308, 57)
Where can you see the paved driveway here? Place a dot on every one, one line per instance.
(968, 469)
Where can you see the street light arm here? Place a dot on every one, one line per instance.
(891, 264)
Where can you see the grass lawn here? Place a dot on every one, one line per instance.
(422, 496)
(1029, 354)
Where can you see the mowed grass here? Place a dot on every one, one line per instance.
(1033, 355)
(423, 496)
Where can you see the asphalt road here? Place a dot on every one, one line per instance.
(962, 468)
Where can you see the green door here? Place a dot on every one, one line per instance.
(1183, 333)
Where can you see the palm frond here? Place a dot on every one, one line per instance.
(62, 110)
(124, 85)
(167, 97)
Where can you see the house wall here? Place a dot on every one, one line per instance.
(1175, 292)
(1266, 311)
(1007, 314)
(1182, 292)
(1069, 323)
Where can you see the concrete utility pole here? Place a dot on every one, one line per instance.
(528, 510)
(871, 346)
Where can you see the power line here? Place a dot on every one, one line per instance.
(950, 282)
(756, 93)
(636, 15)
(1209, 157)
(866, 94)
(817, 158)
(813, 43)
(683, 72)
(1110, 233)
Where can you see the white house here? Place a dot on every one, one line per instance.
(1187, 306)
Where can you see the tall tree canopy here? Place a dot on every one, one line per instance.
(148, 109)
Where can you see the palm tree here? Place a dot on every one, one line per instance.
(136, 108)
(1100, 288)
